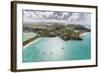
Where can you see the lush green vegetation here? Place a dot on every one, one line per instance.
(66, 32)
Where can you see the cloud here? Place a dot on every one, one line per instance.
(56, 16)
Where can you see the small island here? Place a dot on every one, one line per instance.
(65, 32)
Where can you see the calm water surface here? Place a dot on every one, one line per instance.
(56, 49)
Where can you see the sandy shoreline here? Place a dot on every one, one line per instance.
(32, 42)
(83, 34)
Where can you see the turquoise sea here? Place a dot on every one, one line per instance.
(56, 49)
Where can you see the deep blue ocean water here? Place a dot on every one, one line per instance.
(56, 49)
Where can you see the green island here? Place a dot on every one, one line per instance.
(65, 32)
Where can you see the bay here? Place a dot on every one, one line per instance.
(56, 49)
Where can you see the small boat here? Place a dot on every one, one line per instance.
(51, 52)
(62, 48)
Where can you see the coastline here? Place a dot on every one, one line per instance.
(32, 42)
(83, 34)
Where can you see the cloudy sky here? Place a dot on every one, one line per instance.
(31, 16)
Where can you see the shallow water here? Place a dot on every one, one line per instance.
(56, 49)
(27, 35)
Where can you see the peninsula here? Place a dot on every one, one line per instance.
(65, 32)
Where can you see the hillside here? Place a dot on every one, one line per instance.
(66, 32)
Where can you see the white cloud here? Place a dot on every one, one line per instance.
(49, 16)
